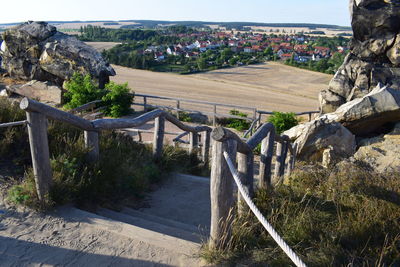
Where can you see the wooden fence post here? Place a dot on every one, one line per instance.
(215, 116)
(178, 107)
(194, 142)
(267, 150)
(292, 159)
(159, 125)
(246, 175)
(206, 147)
(145, 104)
(221, 192)
(37, 130)
(92, 143)
(281, 152)
(278, 161)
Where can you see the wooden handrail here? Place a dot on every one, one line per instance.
(84, 107)
(11, 124)
(194, 101)
(195, 111)
(30, 105)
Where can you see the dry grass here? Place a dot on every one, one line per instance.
(345, 216)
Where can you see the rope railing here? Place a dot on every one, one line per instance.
(284, 246)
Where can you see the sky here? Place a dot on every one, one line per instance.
(269, 11)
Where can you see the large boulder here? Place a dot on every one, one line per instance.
(374, 57)
(37, 51)
(314, 137)
(371, 114)
(42, 91)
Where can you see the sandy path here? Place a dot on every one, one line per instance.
(28, 238)
(269, 86)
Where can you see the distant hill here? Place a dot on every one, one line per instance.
(157, 23)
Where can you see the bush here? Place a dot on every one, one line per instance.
(237, 124)
(347, 215)
(184, 116)
(283, 121)
(81, 90)
(118, 99)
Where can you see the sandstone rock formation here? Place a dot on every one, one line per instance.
(36, 51)
(43, 91)
(369, 115)
(316, 136)
(374, 57)
(382, 153)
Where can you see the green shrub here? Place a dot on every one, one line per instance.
(347, 215)
(184, 116)
(81, 90)
(117, 100)
(238, 124)
(283, 121)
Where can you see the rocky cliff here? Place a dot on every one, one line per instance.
(37, 51)
(374, 57)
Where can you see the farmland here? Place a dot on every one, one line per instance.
(268, 86)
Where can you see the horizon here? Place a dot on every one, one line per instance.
(331, 12)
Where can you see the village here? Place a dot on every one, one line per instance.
(284, 47)
(193, 51)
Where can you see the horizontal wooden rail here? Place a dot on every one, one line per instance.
(90, 105)
(30, 105)
(11, 124)
(194, 101)
(196, 111)
(295, 113)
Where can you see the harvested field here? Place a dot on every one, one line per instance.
(100, 46)
(269, 86)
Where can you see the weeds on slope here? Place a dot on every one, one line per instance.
(343, 216)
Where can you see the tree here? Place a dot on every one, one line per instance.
(201, 63)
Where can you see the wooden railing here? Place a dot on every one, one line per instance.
(255, 114)
(222, 199)
(37, 114)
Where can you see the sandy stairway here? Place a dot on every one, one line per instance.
(177, 218)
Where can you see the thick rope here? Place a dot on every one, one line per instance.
(292, 255)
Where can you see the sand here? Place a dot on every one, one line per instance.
(29, 238)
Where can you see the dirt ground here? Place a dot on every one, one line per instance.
(269, 86)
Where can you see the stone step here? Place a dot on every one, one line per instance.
(157, 226)
(183, 199)
(160, 220)
(177, 246)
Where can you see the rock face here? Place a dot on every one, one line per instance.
(36, 51)
(369, 114)
(43, 91)
(374, 57)
(315, 137)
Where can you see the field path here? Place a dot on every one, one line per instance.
(268, 86)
